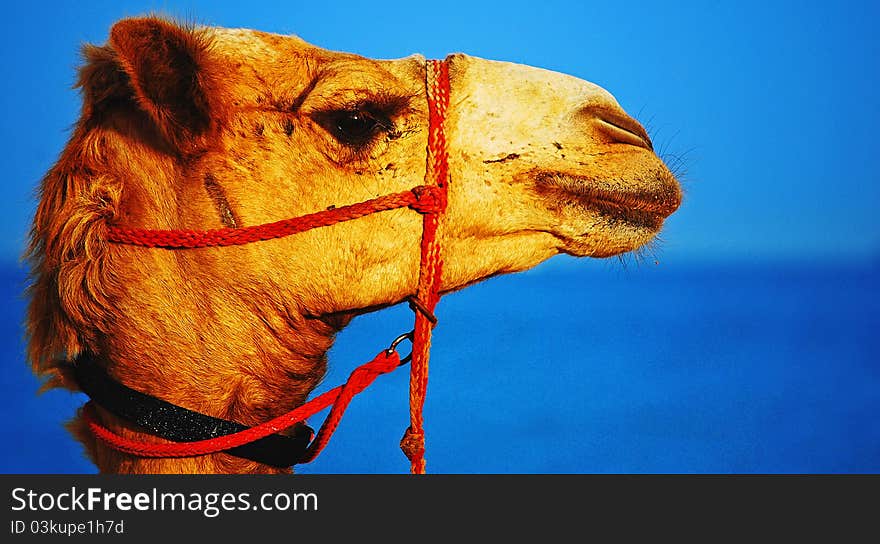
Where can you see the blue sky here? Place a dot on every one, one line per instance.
(771, 106)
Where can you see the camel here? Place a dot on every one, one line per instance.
(200, 127)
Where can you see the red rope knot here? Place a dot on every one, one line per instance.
(413, 445)
(429, 199)
(364, 375)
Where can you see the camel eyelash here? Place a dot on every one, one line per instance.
(360, 125)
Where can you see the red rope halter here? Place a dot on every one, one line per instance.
(429, 200)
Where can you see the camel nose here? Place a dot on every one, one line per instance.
(617, 126)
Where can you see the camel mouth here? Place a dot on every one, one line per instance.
(646, 205)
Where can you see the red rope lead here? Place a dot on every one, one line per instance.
(338, 397)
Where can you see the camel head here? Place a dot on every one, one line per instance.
(201, 128)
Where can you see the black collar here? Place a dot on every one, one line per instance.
(175, 423)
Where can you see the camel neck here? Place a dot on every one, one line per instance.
(247, 389)
(173, 422)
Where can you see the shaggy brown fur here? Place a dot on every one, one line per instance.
(150, 103)
(203, 128)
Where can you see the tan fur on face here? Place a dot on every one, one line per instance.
(202, 128)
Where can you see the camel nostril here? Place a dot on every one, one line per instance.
(616, 125)
(630, 132)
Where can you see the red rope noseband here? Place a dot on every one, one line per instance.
(430, 200)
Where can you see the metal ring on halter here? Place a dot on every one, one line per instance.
(396, 342)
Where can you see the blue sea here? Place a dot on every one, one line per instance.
(583, 367)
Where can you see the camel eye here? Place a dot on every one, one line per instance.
(355, 128)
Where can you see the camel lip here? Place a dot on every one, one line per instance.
(656, 203)
(644, 205)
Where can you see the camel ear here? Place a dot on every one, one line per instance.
(169, 74)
